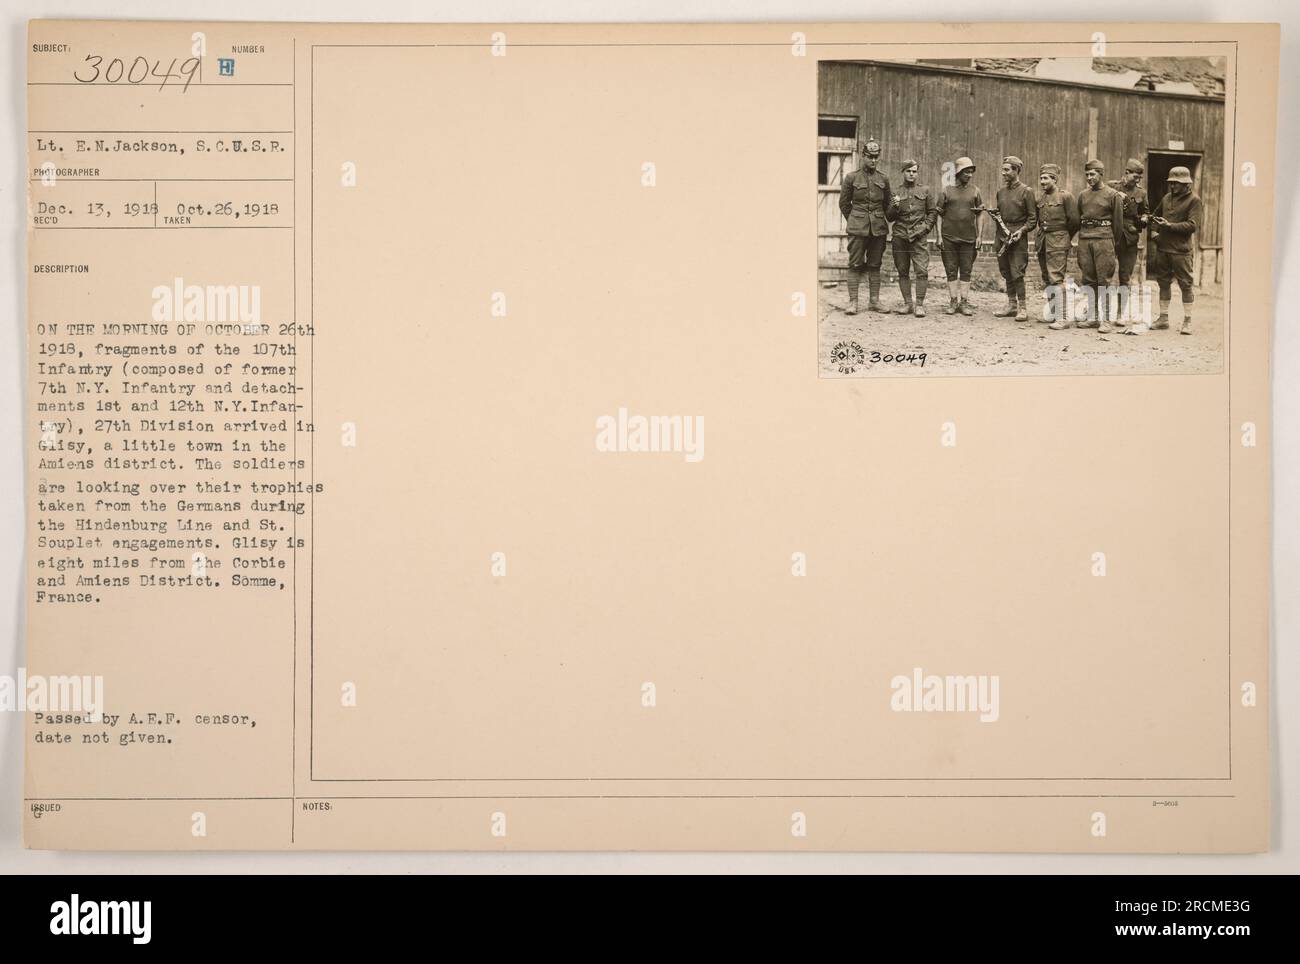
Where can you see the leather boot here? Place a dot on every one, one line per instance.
(964, 305)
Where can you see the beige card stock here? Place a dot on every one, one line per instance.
(461, 437)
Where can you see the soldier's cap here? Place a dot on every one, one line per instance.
(871, 147)
(1180, 174)
(965, 164)
(906, 164)
(1095, 165)
(1134, 166)
(1014, 161)
(1051, 170)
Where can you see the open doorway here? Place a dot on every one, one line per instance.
(837, 139)
(1160, 163)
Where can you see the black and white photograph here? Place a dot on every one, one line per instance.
(1021, 216)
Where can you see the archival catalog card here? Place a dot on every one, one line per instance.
(491, 437)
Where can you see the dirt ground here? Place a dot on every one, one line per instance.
(981, 344)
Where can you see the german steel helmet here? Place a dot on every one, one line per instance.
(1180, 174)
(965, 163)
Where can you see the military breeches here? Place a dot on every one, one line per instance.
(1127, 256)
(913, 255)
(866, 252)
(1096, 260)
(1014, 260)
(1053, 254)
(1171, 266)
(958, 257)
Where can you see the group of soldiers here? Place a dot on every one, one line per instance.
(1107, 218)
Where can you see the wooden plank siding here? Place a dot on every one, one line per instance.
(934, 115)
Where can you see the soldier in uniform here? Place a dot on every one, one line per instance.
(1058, 222)
(913, 211)
(1101, 226)
(864, 201)
(959, 207)
(1177, 218)
(1019, 212)
(1136, 215)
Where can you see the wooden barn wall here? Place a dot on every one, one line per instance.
(935, 117)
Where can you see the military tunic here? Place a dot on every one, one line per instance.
(1019, 210)
(913, 215)
(1135, 209)
(1101, 225)
(1058, 221)
(864, 201)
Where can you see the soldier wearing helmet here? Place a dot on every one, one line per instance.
(913, 212)
(1177, 218)
(959, 209)
(1136, 215)
(864, 201)
(1101, 225)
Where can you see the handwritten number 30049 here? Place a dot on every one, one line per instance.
(140, 70)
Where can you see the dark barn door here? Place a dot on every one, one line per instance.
(1159, 164)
